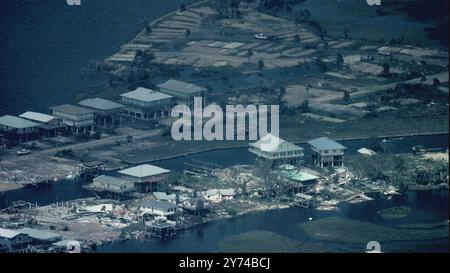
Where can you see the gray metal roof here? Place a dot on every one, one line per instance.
(155, 204)
(35, 116)
(324, 143)
(39, 234)
(16, 122)
(8, 233)
(105, 179)
(72, 109)
(146, 95)
(183, 87)
(144, 170)
(100, 104)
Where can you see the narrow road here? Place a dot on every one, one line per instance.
(442, 77)
(84, 145)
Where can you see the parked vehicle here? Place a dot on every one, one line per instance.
(261, 36)
(23, 152)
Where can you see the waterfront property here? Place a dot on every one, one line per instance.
(40, 237)
(48, 124)
(183, 92)
(172, 198)
(218, 195)
(300, 180)
(158, 208)
(18, 129)
(146, 177)
(90, 169)
(77, 119)
(110, 184)
(281, 150)
(13, 240)
(160, 228)
(107, 113)
(146, 104)
(327, 152)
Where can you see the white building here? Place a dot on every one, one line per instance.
(112, 184)
(158, 208)
(146, 104)
(273, 148)
(146, 177)
(218, 195)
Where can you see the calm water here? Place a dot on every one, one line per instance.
(45, 43)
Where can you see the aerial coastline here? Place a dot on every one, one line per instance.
(339, 90)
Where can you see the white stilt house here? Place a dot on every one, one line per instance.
(270, 147)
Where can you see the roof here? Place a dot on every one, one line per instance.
(155, 204)
(110, 180)
(271, 143)
(16, 122)
(183, 87)
(72, 109)
(8, 233)
(169, 197)
(299, 175)
(35, 116)
(226, 192)
(39, 234)
(146, 95)
(324, 143)
(100, 104)
(144, 170)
